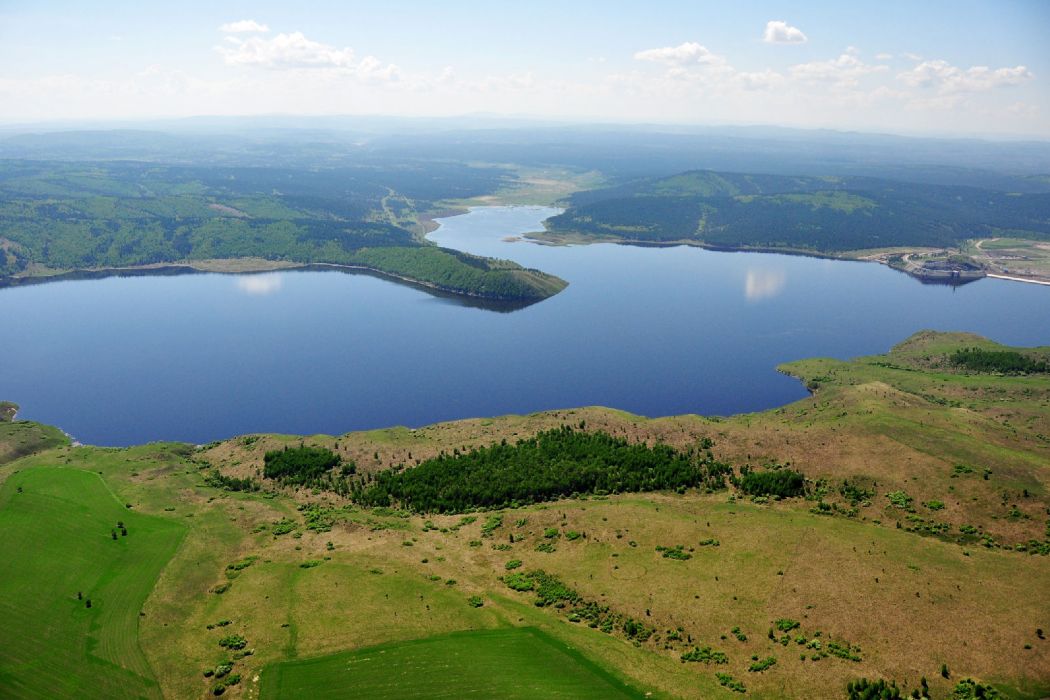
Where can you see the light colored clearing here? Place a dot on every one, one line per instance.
(228, 211)
(241, 265)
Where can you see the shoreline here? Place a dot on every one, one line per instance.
(864, 256)
(1029, 280)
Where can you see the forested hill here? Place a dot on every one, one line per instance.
(819, 214)
(57, 217)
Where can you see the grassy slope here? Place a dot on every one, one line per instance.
(900, 419)
(56, 525)
(507, 663)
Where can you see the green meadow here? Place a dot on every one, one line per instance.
(59, 549)
(506, 663)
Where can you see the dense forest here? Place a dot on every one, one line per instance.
(553, 464)
(1002, 361)
(65, 216)
(819, 214)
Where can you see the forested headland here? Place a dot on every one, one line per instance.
(61, 217)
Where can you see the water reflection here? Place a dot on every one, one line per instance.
(763, 284)
(260, 285)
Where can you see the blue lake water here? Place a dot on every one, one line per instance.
(655, 331)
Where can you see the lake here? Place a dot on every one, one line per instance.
(655, 331)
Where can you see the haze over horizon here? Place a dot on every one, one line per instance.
(899, 68)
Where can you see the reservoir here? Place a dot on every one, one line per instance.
(654, 331)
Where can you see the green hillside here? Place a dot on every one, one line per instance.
(58, 218)
(816, 214)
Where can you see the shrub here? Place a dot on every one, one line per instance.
(762, 665)
(676, 552)
(512, 564)
(900, 499)
(705, 655)
(233, 641)
(519, 582)
(786, 624)
(969, 689)
(475, 601)
(782, 483)
(863, 689)
(727, 681)
(282, 527)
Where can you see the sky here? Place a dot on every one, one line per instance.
(916, 67)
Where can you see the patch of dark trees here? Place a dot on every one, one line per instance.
(1001, 361)
(553, 464)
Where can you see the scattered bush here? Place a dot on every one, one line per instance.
(705, 655)
(727, 681)
(676, 552)
(969, 689)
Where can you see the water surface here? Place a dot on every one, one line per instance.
(655, 331)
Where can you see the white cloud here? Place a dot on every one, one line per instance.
(759, 80)
(912, 56)
(243, 26)
(689, 53)
(883, 56)
(285, 51)
(447, 76)
(844, 71)
(1023, 108)
(296, 52)
(780, 32)
(947, 79)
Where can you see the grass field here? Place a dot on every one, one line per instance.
(57, 526)
(959, 574)
(509, 663)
